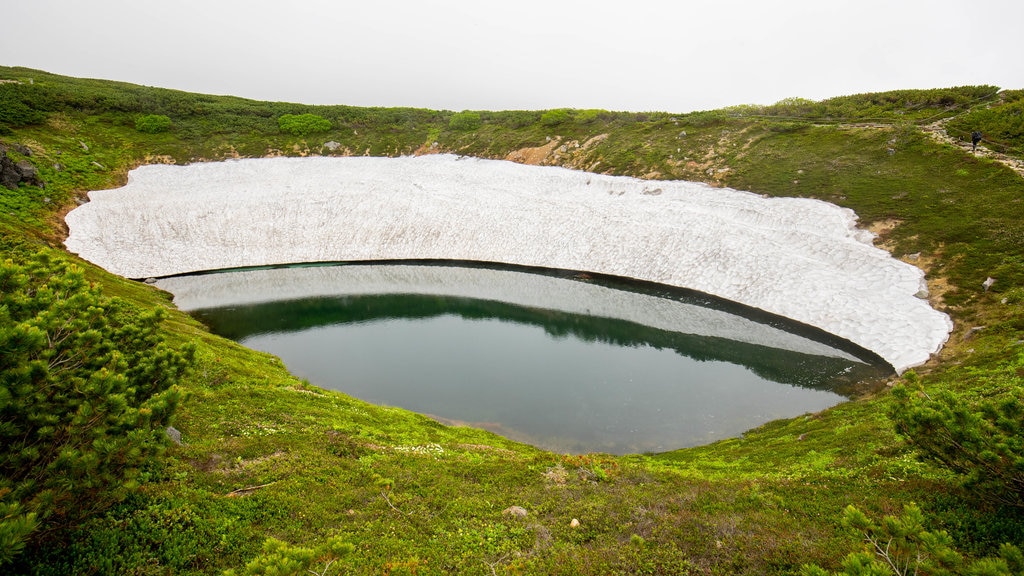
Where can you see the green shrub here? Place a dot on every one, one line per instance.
(153, 123)
(587, 116)
(85, 395)
(554, 117)
(901, 546)
(281, 558)
(705, 118)
(982, 441)
(465, 121)
(303, 124)
(16, 106)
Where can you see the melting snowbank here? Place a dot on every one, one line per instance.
(802, 259)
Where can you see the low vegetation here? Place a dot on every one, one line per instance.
(303, 124)
(153, 123)
(274, 475)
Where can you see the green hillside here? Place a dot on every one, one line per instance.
(273, 471)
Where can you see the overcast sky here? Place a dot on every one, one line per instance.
(634, 55)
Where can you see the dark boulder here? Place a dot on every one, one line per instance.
(29, 174)
(14, 173)
(10, 175)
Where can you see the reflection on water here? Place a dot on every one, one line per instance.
(517, 353)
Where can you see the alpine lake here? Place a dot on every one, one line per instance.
(565, 361)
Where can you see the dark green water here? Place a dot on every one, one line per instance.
(559, 380)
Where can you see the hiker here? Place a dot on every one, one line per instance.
(975, 138)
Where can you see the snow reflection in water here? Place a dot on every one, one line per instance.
(564, 362)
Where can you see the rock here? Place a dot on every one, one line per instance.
(971, 332)
(10, 176)
(574, 523)
(988, 283)
(29, 174)
(174, 435)
(517, 511)
(23, 150)
(332, 145)
(14, 173)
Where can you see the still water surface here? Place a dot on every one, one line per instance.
(552, 377)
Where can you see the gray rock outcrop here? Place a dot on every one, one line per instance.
(12, 173)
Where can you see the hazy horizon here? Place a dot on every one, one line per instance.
(531, 55)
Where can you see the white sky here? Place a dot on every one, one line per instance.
(637, 55)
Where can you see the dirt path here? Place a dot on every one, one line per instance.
(937, 130)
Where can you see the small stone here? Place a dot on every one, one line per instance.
(517, 511)
(972, 331)
(332, 145)
(988, 283)
(174, 435)
(574, 523)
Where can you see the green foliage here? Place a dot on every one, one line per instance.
(705, 118)
(465, 121)
(153, 123)
(902, 105)
(85, 393)
(983, 440)
(587, 116)
(282, 559)
(303, 124)
(554, 117)
(1001, 124)
(513, 119)
(901, 546)
(15, 527)
(15, 107)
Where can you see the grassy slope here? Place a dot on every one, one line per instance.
(418, 497)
